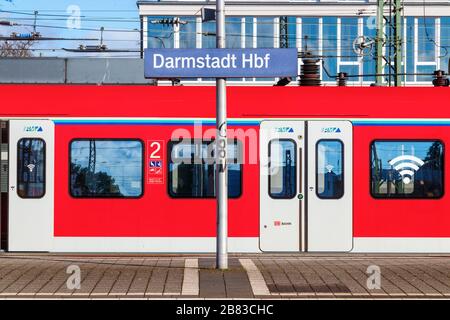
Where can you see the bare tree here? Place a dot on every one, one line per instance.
(18, 49)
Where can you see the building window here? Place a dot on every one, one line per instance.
(282, 169)
(426, 34)
(31, 168)
(250, 40)
(445, 43)
(209, 35)
(311, 35)
(330, 169)
(426, 55)
(188, 32)
(347, 60)
(369, 60)
(292, 32)
(349, 32)
(329, 48)
(233, 29)
(106, 168)
(265, 36)
(265, 32)
(160, 35)
(407, 169)
(192, 169)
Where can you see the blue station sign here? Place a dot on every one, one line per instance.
(220, 63)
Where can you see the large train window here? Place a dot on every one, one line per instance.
(407, 169)
(329, 169)
(31, 168)
(192, 169)
(282, 169)
(111, 168)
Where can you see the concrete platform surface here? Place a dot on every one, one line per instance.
(284, 276)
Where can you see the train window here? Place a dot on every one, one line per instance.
(329, 169)
(192, 169)
(282, 169)
(31, 168)
(106, 168)
(407, 169)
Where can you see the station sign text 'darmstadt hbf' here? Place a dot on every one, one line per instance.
(220, 63)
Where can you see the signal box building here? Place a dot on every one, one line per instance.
(328, 29)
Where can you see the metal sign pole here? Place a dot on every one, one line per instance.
(221, 149)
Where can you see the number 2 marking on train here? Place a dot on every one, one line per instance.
(154, 154)
(155, 169)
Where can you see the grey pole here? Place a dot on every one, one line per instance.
(221, 149)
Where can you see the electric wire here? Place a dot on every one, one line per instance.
(240, 21)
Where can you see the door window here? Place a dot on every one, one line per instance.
(282, 169)
(31, 168)
(329, 169)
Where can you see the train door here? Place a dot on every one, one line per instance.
(31, 172)
(306, 186)
(3, 184)
(281, 185)
(330, 194)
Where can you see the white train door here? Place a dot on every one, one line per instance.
(306, 186)
(3, 183)
(330, 193)
(281, 185)
(31, 172)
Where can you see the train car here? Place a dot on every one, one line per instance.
(131, 169)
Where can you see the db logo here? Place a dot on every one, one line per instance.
(277, 223)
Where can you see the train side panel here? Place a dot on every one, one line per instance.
(155, 214)
(399, 225)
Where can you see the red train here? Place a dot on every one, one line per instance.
(130, 169)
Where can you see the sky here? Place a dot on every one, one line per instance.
(61, 15)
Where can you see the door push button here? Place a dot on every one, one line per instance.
(300, 196)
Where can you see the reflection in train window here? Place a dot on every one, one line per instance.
(282, 169)
(31, 168)
(407, 169)
(192, 169)
(329, 170)
(106, 168)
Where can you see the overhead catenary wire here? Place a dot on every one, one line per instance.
(258, 22)
(138, 51)
(194, 11)
(238, 21)
(323, 49)
(193, 19)
(324, 54)
(250, 36)
(170, 36)
(311, 38)
(75, 29)
(181, 32)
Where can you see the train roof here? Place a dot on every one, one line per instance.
(55, 101)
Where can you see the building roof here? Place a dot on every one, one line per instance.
(290, 7)
(73, 70)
